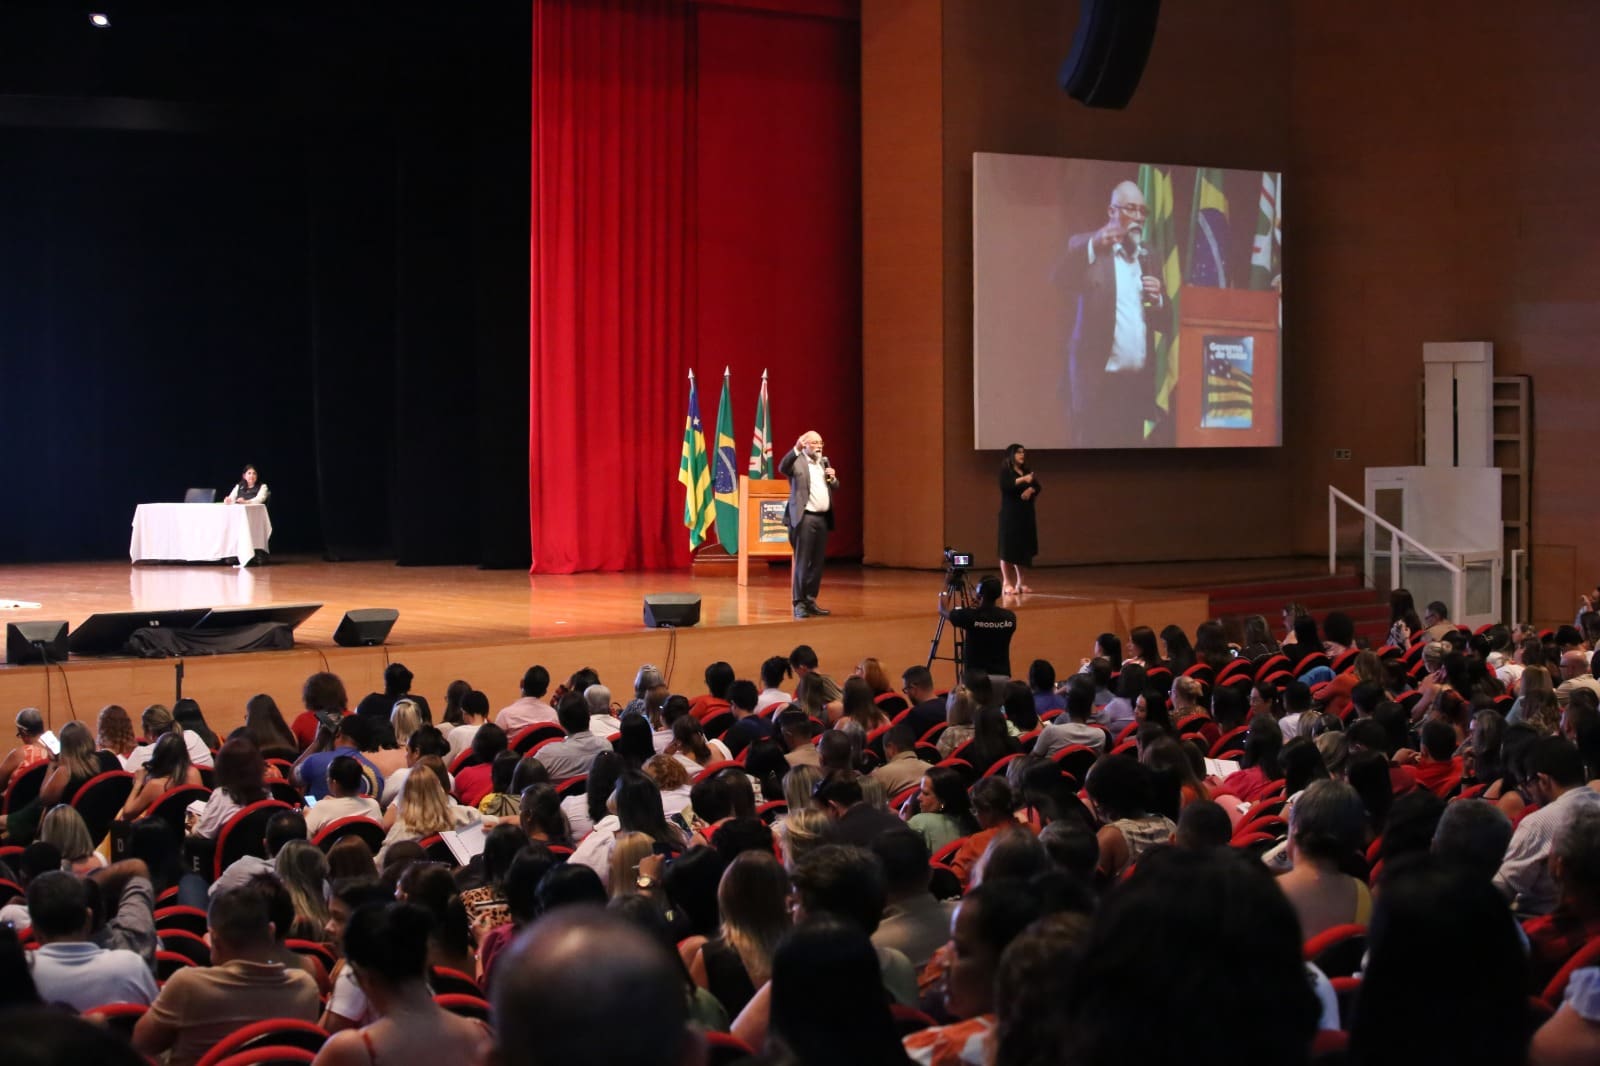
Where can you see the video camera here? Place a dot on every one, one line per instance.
(957, 562)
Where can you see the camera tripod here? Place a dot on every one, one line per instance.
(956, 593)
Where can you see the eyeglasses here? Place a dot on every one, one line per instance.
(1136, 210)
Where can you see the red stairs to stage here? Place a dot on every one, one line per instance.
(1368, 608)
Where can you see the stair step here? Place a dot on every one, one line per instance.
(1287, 586)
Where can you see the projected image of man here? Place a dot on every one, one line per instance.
(1111, 278)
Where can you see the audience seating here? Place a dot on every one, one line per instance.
(528, 736)
(23, 788)
(1075, 759)
(943, 856)
(713, 768)
(244, 834)
(943, 882)
(933, 733)
(768, 812)
(172, 805)
(271, 1055)
(321, 952)
(437, 850)
(188, 919)
(285, 792)
(445, 981)
(1343, 660)
(120, 1017)
(1346, 989)
(1126, 732)
(169, 963)
(368, 829)
(1337, 952)
(464, 1005)
(960, 766)
(1131, 745)
(1228, 741)
(1588, 955)
(9, 890)
(100, 799)
(572, 786)
(725, 1049)
(182, 942)
(272, 1033)
(908, 1020)
(998, 767)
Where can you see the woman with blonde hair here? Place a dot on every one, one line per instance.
(1537, 705)
(65, 828)
(820, 697)
(804, 831)
(157, 720)
(302, 868)
(630, 850)
(114, 732)
(425, 808)
(753, 899)
(959, 714)
(406, 718)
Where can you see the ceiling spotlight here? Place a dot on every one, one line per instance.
(100, 21)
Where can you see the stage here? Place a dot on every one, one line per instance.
(488, 626)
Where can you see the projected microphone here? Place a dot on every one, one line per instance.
(1146, 259)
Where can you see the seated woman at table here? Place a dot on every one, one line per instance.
(250, 489)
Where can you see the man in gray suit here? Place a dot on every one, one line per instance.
(809, 517)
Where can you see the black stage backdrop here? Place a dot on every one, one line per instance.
(296, 239)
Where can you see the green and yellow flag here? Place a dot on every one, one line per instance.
(724, 478)
(694, 474)
(1156, 185)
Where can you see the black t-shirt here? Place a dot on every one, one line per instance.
(988, 637)
(379, 705)
(925, 715)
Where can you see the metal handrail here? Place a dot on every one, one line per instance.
(1458, 585)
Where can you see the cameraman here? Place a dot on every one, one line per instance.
(987, 632)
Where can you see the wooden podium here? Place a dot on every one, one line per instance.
(762, 532)
(1227, 388)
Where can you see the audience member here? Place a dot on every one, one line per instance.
(1325, 833)
(476, 780)
(1575, 867)
(914, 922)
(994, 808)
(748, 727)
(826, 952)
(1073, 726)
(795, 728)
(752, 899)
(1119, 788)
(1558, 785)
(346, 783)
(474, 715)
(67, 966)
(855, 821)
(571, 757)
(199, 1005)
(1472, 834)
(902, 769)
(529, 708)
(1203, 826)
(943, 811)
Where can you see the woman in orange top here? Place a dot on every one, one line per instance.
(31, 751)
(995, 808)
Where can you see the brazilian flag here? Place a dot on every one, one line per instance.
(724, 478)
(694, 474)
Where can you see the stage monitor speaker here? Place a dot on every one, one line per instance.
(107, 634)
(1109, 51)
(365, 628)
(286, 614)
(672, 610)
(36, 642)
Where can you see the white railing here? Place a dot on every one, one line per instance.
(1458, 575)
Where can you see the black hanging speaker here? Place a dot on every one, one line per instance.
(36, 642)
(671, 610)
(366, 627)
(1109, 51)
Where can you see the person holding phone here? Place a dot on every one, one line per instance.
(35, 745)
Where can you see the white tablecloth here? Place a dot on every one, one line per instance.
(199, 531)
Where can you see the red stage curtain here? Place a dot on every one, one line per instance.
(612, 285)
(778, 247)
(696, 202)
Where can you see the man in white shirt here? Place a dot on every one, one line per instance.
(773, 673)
(530, 708)
(1112, 278)
(474, 712)
(1558, 786)
(602, 721)
(67, 967)
(571, 757)
(809, 516)
(1577, 671)
(346, 783)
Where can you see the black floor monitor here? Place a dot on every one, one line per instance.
(36, 642)
(367, 627)
(107, 634)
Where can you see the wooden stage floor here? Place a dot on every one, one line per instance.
(488, 626)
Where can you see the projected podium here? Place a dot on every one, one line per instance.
(1228, 389)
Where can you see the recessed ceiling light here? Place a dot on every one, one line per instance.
(100, 21)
